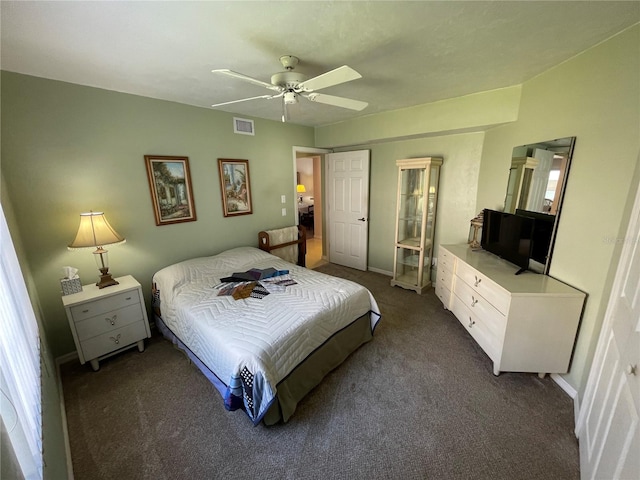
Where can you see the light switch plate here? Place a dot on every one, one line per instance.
(283, 198)
(284, 212)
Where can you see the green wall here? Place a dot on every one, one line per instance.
(594, 96)
(53, 442)
(458, 184)
(469, 113)
(68, 149)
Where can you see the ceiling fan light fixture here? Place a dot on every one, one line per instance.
(290, 98)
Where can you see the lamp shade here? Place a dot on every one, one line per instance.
(301, 189)
(95, 231)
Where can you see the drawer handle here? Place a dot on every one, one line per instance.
(473, 301)
(128, 298)
(471, 322)
(111, 320)
(116, 340)
(85, 311)
(477, 282)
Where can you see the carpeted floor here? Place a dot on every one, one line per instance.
(417, 402)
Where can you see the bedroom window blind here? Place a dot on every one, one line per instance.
(20, 373)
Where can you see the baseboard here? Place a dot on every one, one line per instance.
(63, 411)
(378, 270)
(564, 385)
(569, 390)
(69, 357)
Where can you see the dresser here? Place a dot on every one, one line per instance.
(107, 321)
(524, 323)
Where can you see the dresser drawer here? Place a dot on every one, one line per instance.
(109, 321)
(491, 291)
(446, 260)
(495, 321)
(113, 340)
(444, 276)
(476, 328)
(444, 294)
(104, 305)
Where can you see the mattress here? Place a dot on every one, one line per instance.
(250, 345)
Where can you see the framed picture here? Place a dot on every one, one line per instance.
(170, 184)
(235, 187)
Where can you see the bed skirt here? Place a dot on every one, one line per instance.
(305, 376)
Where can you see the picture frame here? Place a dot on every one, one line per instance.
(235, 187)
(171, 191)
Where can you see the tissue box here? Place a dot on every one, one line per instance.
(70, 285)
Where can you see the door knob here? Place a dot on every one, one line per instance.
(362, 219)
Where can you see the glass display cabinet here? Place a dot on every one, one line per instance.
(415, 222)
(520, 175)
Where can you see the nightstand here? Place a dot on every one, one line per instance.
(107, 321)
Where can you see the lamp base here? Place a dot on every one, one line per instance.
(106, 280)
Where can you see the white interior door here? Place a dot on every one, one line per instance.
(608, 426)
(348, 207)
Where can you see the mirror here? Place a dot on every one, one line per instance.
(537, 181)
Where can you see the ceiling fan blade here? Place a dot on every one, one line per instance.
(333, 77)
(337, 101)
(246, 100)
(240, 76)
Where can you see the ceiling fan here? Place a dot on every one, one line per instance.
(290, 86)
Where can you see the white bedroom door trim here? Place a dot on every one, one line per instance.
(347, 202)
(296, 151)
(608, 425)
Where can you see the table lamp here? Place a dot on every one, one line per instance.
(300, 189)
(95, 231)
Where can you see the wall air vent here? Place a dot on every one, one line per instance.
(243, 126)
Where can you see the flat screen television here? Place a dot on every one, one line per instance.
(542, 232)
(508, 236)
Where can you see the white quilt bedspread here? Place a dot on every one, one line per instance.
(267, 337)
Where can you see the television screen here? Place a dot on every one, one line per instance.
(542, 232)
(509, 236)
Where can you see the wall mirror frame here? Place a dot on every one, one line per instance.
(537, 183)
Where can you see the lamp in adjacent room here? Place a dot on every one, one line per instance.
(300, 189)
(95, 231)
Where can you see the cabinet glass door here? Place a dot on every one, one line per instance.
(410, 264)
(415, 222)
(431, 216)
(411, 206)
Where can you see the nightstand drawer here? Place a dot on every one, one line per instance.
(109, 321)
(111, 341)
(97, 307)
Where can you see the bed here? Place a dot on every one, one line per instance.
(265, 341)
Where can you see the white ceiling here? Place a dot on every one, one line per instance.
(408, 53)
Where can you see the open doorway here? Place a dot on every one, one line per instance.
(308, 164)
